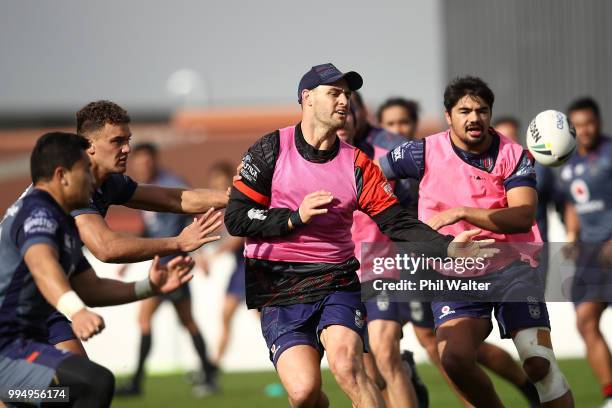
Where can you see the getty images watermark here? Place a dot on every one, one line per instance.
(390, 269)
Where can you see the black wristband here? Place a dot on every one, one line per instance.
(295, 219)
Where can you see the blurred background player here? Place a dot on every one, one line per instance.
(587, 183)
(383, 362)
(485, 161)
(399, 115)
(220, 178)
(145, 167)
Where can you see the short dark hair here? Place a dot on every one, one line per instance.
(95, 115)
(585, 102)
(506, 119)
(53, 150)
(467, 85)
(412, 107)
(148, 147)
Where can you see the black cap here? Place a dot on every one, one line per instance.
(326, 74)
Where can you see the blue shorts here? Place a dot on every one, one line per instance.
(59, 329)
(178, 295)
(510, 316)
(301, 324)
(380, 308)
(592, 282)
(26, 364)
(182, 292)
(236, 285)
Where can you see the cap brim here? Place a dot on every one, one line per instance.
(352, 78)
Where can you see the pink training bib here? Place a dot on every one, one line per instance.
(327, 238)
(450, 182)
(365, 230)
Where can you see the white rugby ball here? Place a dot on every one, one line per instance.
(551, 138)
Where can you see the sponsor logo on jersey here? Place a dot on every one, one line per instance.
(40, 221)
(446, 310)
(257, 214)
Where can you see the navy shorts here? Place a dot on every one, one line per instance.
(182, 292)
(381, 308)
(301, 324)
(510, 316)
(26, 364)
(177, 295)
(592, 282)
(236, 285)
(59, 329)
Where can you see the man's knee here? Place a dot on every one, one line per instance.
(540, 364)
(303, 393)
(345, 367)
(388, 358)
(455, 363)
(536, 368)
(587, 326)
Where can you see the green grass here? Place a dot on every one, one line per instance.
(242, 390)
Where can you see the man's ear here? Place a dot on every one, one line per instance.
(60, 174)
(307, 96)
(447, 117)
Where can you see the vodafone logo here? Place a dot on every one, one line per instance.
(580, 191)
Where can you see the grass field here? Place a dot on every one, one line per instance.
(242, 390)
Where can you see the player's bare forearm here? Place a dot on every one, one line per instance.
(511, 220)
(517, 217)
(177, 200)
(200, 200)
(96, 291)
(115, 247)
(129, 249)
(572, 222)
(49, 276)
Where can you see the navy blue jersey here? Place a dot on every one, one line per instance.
(35, 218)
(117, 189)
(163, 224)
(406, 190)
(587, 182)
(408, 161)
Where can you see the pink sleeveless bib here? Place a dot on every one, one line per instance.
(450, 182)
(327, 238)
(365, 230)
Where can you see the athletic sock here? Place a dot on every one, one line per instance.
(145, 348)
(530, 392)
(607, 391)
(200, 346)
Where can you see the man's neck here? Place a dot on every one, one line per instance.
(100, 175)
(55, 194)
(477, 149)
(584, 150)
(318, 136)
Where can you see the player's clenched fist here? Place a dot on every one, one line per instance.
(196, 234)
(86, 324)
(312, 203)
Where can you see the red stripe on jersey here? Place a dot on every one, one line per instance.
(32, 357)
(376, 194)
(252, 194)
